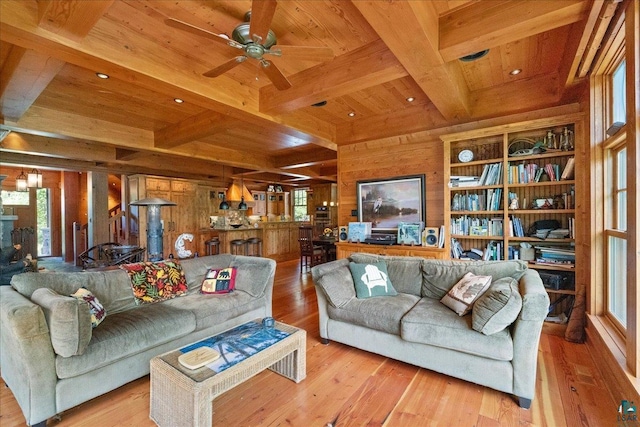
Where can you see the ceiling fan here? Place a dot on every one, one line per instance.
(254, 38)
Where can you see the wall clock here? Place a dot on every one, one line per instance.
(465, 156)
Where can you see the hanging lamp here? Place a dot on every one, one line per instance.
(34, 179)
(224, 205)
(21, 182)
(242, 206)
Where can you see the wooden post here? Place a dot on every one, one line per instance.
(98, 193)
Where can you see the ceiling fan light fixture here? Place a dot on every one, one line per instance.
(474, 56)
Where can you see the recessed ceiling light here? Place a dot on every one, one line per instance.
(319, 104)
(410, 99)
(102, 75)
(178, 100)
(515, 72)
(351, 114)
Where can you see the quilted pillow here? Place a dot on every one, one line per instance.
(371, 280)
(156, 281)
(464, 293)
(69, 321)
(96, 309)
(498, 307)
(219, 281)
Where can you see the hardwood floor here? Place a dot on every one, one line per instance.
(350, 387)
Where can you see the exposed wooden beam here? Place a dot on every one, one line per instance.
(415, 44)
(25, 74)
(124, 154)
(299, 160)
(601, 24)
(71, 19)
(483, 25)
(361, 68)
(196, 127)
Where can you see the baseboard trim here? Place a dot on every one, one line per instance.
(619, 380)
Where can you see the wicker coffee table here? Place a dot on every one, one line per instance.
(182, 397)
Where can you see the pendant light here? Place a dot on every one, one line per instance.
(21, 182)
(242, 206)
(223, 204)
(34, 179)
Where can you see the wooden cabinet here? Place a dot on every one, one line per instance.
(260, 203)
(494, 217)
(278, 203)
(345, 249)
(280, 240)
(176, 220)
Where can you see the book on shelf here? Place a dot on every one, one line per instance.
(491, 174)
(464, 181)
(567, 172)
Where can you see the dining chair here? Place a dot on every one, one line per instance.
(310, 254)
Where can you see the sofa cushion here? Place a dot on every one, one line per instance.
(156, 281)
(430, 322)
(404, 272)
(112, 287)
(381, 313)
(96, 309)
(214, 309)
(438, 276)
(69, 321)
(337, 285)
(371, 280)
(127, 333)
(498, 307)
(463, 294)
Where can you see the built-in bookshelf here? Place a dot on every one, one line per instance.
(522, 174)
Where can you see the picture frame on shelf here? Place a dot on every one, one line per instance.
(385, 203)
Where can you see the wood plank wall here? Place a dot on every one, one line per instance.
(418, 153)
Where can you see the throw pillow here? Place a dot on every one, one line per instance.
(156, 281)
(498, 307)
(371, 280)
(464, 293)
(69, 321)
(337, 285)
(219, 281)
(96, 309)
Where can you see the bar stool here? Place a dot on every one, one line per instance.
(238, 247)
(254, 246)
(212, 246)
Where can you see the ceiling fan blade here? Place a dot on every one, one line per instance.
(202, 33)
(261, 16)
(220, 69)
(310, 53)
(275, 75)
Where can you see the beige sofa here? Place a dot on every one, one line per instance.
(415, 327)
(119, 349)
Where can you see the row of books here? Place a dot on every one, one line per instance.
(563, 257)
(556, 256)
(488, 200)
(531, 172)
(470, 226)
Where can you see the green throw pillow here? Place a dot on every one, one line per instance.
(371, 280)
(498, 307)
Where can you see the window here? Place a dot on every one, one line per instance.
(619, 100)
(17, 198)
(615, 232)
(300, 205)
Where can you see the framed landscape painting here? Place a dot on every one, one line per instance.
(387, 202)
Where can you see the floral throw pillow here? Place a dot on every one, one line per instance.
(98, 313)
(156, 281)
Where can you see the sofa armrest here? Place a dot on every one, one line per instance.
(526, 332)
(27, 359)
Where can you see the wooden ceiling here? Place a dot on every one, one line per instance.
(64, 116)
